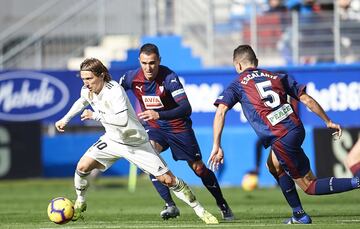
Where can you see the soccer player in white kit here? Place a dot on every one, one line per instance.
(124, 137)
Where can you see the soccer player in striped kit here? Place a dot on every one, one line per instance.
(166, 114)
(262, 95)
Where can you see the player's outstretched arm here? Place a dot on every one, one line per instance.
(76, 108)
(217, 154)
(60, 125)
(315, 107)
(216, 158)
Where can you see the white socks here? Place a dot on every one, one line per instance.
(81, 184)
(184, 193)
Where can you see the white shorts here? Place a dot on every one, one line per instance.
(107, 151)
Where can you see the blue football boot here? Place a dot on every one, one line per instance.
(305, 219)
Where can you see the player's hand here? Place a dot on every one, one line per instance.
(60, 125)
(86, 115)
(216, 158)
(149, 115)
(334, 126)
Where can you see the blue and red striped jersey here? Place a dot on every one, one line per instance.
(162, 94)
(263, 96)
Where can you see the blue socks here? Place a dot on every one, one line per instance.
(288, 189)
(209, 180)
(332, 185)
(163, 191)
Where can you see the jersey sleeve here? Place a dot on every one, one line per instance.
(228, 97)
(177, 91)
(293, 88)
(77, 107)
(84, 96)
(117, 103)
(124, 81)
(175, 87)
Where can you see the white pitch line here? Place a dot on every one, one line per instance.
(348, 220)
(169, 226)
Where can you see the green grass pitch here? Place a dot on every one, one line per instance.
(23, 204)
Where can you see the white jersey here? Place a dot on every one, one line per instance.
(124, 135)
(115, 112)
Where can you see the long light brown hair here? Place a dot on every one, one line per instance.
(96, 67)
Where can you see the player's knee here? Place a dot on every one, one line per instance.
(271, 168)
(158, 148)
(200, 170)
(310, 188)
(83, 168)
(166, 179)
(276, 172)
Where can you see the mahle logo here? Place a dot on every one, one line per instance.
(28, 96)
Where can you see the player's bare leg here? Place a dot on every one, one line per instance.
(81, 182)
(352, 160)
(183, 192)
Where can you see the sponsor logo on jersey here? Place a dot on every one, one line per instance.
(280, 114)
(27, 96)
(152, 102)
(139, 88)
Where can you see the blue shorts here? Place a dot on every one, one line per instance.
(291, 156)
(183, 145)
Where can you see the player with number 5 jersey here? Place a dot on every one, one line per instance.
(263, 96)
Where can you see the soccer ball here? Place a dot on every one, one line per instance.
(249, 182)
(60, 210)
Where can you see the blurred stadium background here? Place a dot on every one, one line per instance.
(42, 44)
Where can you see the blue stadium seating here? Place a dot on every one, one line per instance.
(173, 54)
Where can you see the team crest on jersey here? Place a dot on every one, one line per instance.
(152, 102)
(161, 88)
